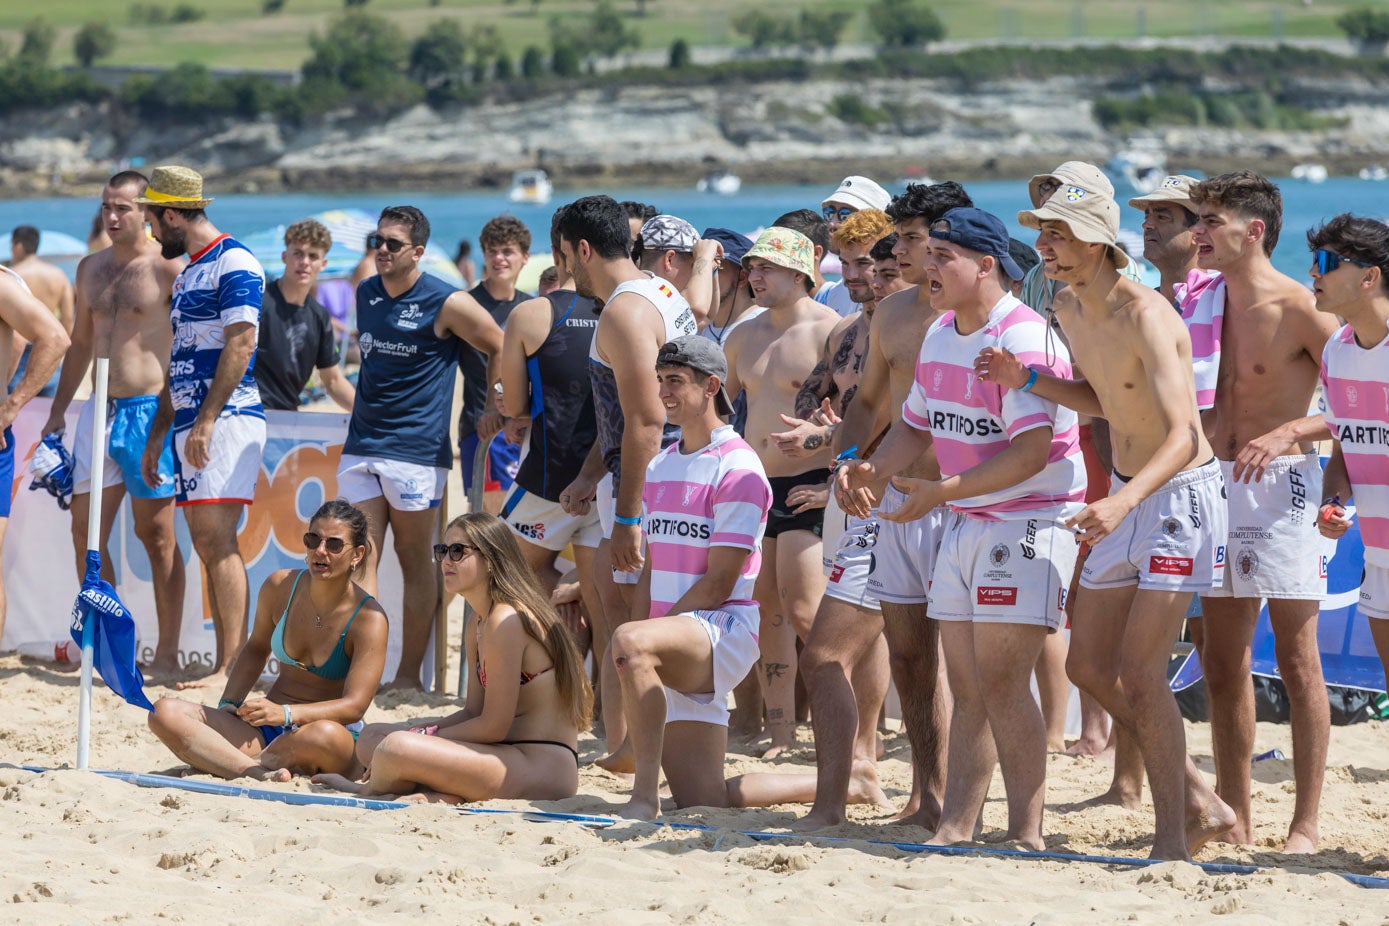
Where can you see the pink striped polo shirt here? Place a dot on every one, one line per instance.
(971, 420)
(1355, 382)
(1202, 300)
(716, 496)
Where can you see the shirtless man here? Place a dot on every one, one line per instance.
(1270, 355)
(904, 553)
(770, 357)
(1159, 535)
(670, 248)
(47, 283)
(845, 649)
(640, 313)
(887, 276)
(123, 295)
(22, 313)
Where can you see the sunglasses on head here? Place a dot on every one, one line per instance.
(394, 245)
(313, 539)
(454, 551)
(843, 212)
(1328, 261)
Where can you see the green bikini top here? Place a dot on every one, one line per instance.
(335, 667)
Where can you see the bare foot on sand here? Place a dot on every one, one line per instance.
(162, 666)
(640, 810)
(622, 763)
(1114, 797)
(339, 783)
(1086, 747)
(402, 684)
(777, 750)
(281, 775)
(925, 815)
(424, 797)
(865, 789)
(215, 680)
(1207, 822)
(1302, 842)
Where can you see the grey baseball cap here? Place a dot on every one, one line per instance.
(704, 356)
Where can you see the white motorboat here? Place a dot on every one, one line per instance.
(531, 186)
(1310, 173)
(720, 182)
(1140, 167)
(1374, 172)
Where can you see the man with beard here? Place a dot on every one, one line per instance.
(210, 397)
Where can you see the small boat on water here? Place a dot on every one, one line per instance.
(1140, 167)
(1374, 172)
(531, 187)
(720, 183)
(1310, 173)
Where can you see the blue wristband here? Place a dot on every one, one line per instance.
(850, 454)
(1031, 381)
(627, 522)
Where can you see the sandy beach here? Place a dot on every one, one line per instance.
(84, 849)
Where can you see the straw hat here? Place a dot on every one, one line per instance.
(175, 188)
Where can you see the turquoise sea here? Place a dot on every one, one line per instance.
(460, 215)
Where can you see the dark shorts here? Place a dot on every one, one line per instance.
(7, 474)
(781, 520)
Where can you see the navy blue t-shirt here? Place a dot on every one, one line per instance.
(405, 387)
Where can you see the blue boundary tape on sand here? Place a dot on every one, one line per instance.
(598, 821)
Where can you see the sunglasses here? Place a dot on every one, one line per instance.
(1328, 261)
(843, 212)
(454, 551)
(313, 539)
(394, 245)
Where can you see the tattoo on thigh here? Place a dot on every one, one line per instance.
(775, 669)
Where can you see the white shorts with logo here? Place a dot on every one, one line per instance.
(406, 486)
(1003, 572)
(606, 503)
(546, 524)
(1174, 539)
(1374, 592)
(907, 553)
(1274, 548)
(735, 653)
(233, 464)
(849, 555)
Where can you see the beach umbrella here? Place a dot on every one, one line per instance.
(100, 623)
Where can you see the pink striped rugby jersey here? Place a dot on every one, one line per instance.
(716, 496)
(1355, 383)
(972, 421)
(1202, 302)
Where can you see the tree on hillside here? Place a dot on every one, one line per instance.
(532, 63)
(37, 45)
(822, 30)
(1368, 27)
(679, 55)
(905, 23)
(608, 32)
(94, 40)
(365, 56)
(437, 58)
(487, 46)
(763, 29)
(641, 6)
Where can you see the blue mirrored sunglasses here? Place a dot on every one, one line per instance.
(843, 212)
(1328, 261)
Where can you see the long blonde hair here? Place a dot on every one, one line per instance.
(512, 582)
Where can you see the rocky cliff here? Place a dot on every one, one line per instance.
(770, 132)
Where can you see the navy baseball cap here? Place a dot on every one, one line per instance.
(735, 246)
(979, 231)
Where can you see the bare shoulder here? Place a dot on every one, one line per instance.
(94, 264)
(276, 587)
(898, 303)
(168, 268)
(1145, 308)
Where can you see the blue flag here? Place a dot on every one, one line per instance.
(113, 634)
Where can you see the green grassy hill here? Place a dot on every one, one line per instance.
(235, 33)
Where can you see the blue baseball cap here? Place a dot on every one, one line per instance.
(735, 246)
(978, 231)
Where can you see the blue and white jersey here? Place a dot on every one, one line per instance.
(222, 285)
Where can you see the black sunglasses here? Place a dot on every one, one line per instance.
(313, 539)
(454, 551)
(394, 245)
(1328, 261)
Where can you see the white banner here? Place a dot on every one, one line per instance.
(298, 473)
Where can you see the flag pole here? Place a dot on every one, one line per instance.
(98, 465)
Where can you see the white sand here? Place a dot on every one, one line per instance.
(81, 849)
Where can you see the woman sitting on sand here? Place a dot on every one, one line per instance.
(517, 737)
(330, 639)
